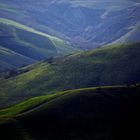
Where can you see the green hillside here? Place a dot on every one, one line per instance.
(90, 113)
(111, 65)
(28, 42)
(36, 103)
(28, 105)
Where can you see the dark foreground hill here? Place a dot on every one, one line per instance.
(102, 113)
(113, 65)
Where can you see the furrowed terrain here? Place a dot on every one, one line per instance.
(112, 65)
(108, 113)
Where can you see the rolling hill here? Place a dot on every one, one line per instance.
(27, 45)
(112, 65)
(69, 69)
(108, 113)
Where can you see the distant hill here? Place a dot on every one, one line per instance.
(46, 29)
(99, 113)
(112, 65)
(27, 45)
(87, 24)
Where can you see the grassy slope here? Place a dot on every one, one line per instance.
(27, 105)
(21, 26)
(57, 42)
(78, 114)
(33, 104)
(92, 68)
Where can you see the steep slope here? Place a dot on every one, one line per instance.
(110, 65)
(30, 45)
(88, 24)
(108, 113)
